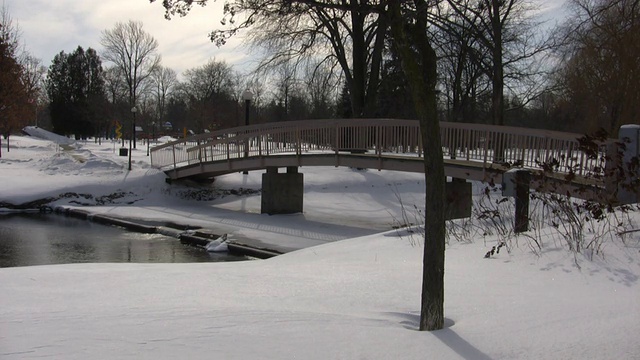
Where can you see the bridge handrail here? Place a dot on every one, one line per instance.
(471, 142)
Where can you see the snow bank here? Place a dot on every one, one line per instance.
(47, 135)
(352, 299)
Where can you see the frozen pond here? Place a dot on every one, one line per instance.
(43, 239)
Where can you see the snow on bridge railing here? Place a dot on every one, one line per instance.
(488, 144)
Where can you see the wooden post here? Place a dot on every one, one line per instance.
(629, 135)
(523, 181)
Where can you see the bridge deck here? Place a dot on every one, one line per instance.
(472, 151)
(455, 168)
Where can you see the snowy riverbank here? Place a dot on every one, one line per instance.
(352, 299)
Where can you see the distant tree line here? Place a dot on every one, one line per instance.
(495, 65)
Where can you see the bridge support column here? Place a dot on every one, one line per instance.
(516, 183)
(629, 135)
(457, 200)
(282, 193)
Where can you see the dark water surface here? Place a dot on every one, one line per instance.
(43, 239)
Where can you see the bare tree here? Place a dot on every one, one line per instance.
(286, 83)
(208, 90)
(409, 27)
(14, 94)
(460, 69)
(600, 71)
(296, 32)
(133, 51)
(165, 80)
(9, 31)
(507, 41)
(33, 77)
(321, 84)
(114, 84)
(409, 24)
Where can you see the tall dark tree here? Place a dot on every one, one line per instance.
(408, 21)
(178, 113)
(32, 72)
(75, 86)
(505, 42)
(346, 33)
(14, 96)
(409, 28)
(208, 90)
(394, 99)
(600, 75)
(344, 109)
(463, 76)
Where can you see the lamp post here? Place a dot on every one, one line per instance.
(247, 96)
(148, 140)
(153, 131)
(133, 133)
(134, 110)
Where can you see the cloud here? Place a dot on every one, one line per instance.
(49, 27)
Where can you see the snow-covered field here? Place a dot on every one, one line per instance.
(357, 298)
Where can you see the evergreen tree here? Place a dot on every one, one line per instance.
(394, 99)
(344, 109)
(76, 88)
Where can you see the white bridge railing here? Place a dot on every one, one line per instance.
(488, 144)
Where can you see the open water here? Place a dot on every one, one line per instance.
(43, 239)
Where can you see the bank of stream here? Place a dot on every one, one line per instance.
(69, 235)
(47, 239)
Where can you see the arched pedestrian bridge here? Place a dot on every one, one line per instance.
(471, 151)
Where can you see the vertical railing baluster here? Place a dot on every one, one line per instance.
(486, 148)
(174, 157)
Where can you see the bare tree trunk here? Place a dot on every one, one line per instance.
(420, 68)
(497, 77)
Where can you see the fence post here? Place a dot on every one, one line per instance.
(335, 144)
(629, 135)
(516, 183)
(173, 147)
(199, 151)
(523, 181)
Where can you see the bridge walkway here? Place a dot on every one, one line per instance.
(471, 151)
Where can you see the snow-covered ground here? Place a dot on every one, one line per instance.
(358, 298)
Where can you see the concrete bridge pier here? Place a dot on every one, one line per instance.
(458, 199)
(282, 193)
(627, 191)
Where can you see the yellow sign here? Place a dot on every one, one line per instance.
(118, 130)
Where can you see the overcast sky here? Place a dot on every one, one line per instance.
(51, 26)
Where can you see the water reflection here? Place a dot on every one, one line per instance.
(42, 239)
